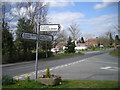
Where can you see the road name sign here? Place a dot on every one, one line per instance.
(29, 36)
(37, 37)
(45, 37)
(49, 27)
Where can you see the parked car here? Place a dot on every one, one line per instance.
(55, 50)
(101, 46)
(80, 48)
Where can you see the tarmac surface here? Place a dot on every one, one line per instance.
(98, 65)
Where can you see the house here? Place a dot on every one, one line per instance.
(92, 41)
(80, 46)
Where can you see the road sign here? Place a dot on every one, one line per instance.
(29, 36)
(37, 37)
(49, 27)
(45, 37)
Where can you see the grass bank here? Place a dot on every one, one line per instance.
(62, 55)
(115, 53)
(66, 84)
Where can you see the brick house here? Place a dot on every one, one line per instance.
(92, 41)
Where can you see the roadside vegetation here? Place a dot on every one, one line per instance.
(62, 55)
(115, 52)
(65, 84)
(95, 49)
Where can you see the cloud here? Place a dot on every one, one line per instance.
(61, 4)
(19, 11)
(102, 24)
(95, 25)
(104, 4)
(65, 18)
(101, 19)
(13, 24)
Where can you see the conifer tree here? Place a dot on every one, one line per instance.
(70, 46)
(24, 25)
(117, 40)
(82, 40)
(110, 39)
(7, 41)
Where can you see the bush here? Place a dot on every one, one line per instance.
(118, 47)
(70, 46)
(82, 49)
(48, 72)
(26, 56)
(93, 47)
(7, 80)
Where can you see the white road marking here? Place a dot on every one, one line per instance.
(52, 68)
(110, 68)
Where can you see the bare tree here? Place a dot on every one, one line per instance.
(116, 29)
(74, 31)
(88, 36)
(103, 41)
(60, 38)
(35, 11)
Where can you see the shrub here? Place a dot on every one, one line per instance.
(47, 72)
(118, 47)
(70, 46)
(7, 80)
(24, 56)
(93, 47)
(82, 49)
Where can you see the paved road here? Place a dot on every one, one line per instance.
(23, 68)
(100, 67)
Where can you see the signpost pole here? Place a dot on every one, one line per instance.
(46, 47)
(36, 63)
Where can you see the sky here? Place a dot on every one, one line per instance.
(93, 18)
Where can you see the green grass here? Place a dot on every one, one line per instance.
(115, 53)
(96, 49)
(62, 55)
(66, 84)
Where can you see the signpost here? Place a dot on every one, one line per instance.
(29, 36)
(49, 27)
(45, 37)
(40, 37)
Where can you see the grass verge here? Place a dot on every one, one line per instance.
(66, 84)
(62, 55)
(115, 53)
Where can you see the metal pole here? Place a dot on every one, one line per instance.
(36, 63)
(46, 47)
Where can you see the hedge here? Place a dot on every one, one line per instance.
(28, 56)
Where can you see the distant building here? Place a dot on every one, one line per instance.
(92, 41)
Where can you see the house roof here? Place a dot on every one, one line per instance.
(91, 41)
